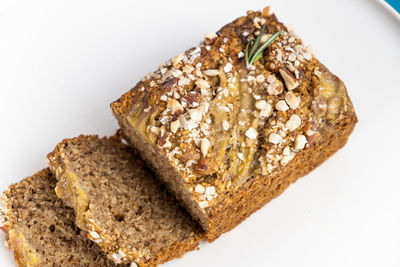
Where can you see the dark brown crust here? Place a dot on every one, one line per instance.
(176, 250)
(235, 206)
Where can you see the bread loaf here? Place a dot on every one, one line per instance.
(227, 137)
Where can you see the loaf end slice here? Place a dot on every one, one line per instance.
(226, 137)
(127, 212)
(40, 229)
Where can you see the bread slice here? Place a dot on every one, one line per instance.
(40, 229)
(226, 137)
(127, 212)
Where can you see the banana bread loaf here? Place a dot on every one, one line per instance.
(40, 229)
(127, 212)
(225, 136)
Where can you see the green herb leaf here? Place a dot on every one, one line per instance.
(255, 54)
(257, 42)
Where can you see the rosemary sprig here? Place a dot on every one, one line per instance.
(255, 54)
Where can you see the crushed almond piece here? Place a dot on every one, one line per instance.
(251, 133)
(228, 67)
(175, 125)
(199, 189)
(300, 142)
(275, 88)
(260, 78)
(274, 138)
(261, 105)
(271, 78)
(293, 123)
(195, 115)
(174, 106)
(203, 204)
(177, 59)
(210, 190)
(290, 80)
(211, 72)
(204, 146)
(292, 100)
(281, 105)
(203, 84)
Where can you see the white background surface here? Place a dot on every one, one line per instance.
(63, 62)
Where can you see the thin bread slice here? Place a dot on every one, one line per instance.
(40, 229)
(226, 135)
(127, 212)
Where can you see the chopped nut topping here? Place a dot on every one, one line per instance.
(177, 59)
(211, 72)
(228, 67)
(286, 151)
(199, 189)
(292, 100)
(290, 80)
(94, 235)
(195, 115)
(281, 105)
(265, 113)
(261, 105)
(203, 84)
(274, 138)
(174, 106)
(293, 123)
(292, 57)
(251, 133)
(286, 158)
(300, 142)
(225, 125)
(176, 95)
(210, 190)
(175, 125)
(204, 146)
(271, 78)
(275, 88)
(260, 78)
(203, 204)
(163, 98)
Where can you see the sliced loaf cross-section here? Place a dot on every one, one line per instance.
(127, 212)
(40, 229)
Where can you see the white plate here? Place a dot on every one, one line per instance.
(63, 62)
(393, 6)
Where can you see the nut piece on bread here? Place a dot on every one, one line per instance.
(123, 209)
(249, 115)
(40, 229)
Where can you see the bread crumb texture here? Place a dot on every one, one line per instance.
(127, 212)
(40, 229)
